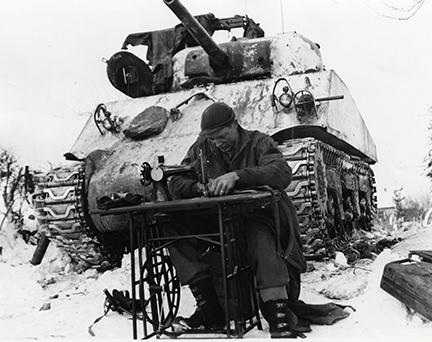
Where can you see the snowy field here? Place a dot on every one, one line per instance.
(73, 301)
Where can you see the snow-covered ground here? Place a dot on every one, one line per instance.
(76, 300)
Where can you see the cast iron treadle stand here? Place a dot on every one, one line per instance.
(157, 282)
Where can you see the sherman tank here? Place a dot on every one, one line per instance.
(277, 85)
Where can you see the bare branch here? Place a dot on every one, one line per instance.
(401, 15)
(405, 9)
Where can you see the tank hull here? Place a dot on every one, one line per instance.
(337, 129)
(338, 123)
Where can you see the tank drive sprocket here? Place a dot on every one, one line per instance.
(60, 206)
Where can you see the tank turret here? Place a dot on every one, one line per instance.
(208, 63)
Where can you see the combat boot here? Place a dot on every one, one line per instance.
(280, 318)
(209, 314)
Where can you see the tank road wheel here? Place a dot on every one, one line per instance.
(333, 193)
(59, 206)
(161, 289)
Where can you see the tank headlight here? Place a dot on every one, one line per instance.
(285, 100)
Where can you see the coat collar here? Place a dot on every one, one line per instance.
(242, 142)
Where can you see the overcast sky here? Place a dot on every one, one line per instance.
(52, 76)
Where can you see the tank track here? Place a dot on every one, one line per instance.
(60, 206)
(334, 195)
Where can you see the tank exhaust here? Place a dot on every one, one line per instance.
(217, 57)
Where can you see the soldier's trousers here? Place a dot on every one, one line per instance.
(187, 254)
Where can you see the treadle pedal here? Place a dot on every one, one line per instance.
(172, 334)
(181, 327)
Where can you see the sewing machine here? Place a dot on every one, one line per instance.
(158, 177)
(153, 277)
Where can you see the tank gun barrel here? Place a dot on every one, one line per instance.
(218, 58)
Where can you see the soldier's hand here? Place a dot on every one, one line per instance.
(200, 188)
(223, 185)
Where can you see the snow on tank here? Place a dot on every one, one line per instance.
(277, 85)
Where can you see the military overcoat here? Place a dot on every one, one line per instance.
(257, 161)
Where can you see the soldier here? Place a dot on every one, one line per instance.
(238, 158)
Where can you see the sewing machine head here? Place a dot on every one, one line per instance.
(158, 176)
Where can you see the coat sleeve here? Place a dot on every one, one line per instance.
(185, 186)
(272, 169)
